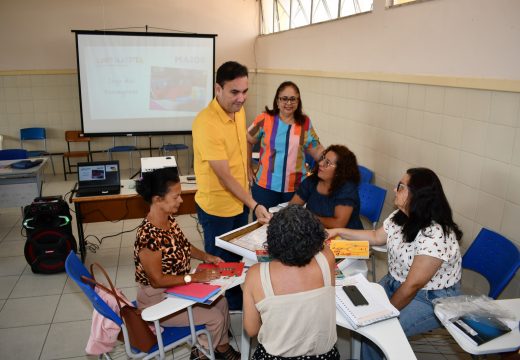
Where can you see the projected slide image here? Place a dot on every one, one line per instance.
(177, 89)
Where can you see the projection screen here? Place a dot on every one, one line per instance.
(143, 83)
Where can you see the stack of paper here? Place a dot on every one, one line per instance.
(199, 292)
(378, 308)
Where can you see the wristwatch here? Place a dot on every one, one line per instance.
(187, 279)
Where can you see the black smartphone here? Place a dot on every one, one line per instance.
(190, 178)
(355, 295)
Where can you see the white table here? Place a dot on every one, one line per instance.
(19, 187)
(504, 343)
(388, 335)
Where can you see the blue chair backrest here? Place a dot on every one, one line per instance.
(75, 269)
(13, 154)
(494, 257)
(32, 134)
(372, 199)
(366, 174)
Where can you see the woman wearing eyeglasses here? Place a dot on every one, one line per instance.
(285, 135)
(424, 261)
(331, 192)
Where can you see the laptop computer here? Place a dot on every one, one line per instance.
(98, 178)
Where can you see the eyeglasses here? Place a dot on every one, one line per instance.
(326, 162)
(287, 100)
(400, 186)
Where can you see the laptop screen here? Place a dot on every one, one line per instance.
(99, 174)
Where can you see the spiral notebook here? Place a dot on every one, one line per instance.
(379, 307)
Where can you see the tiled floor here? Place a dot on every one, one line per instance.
(46, 317)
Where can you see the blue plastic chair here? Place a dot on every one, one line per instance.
(36, 134)
(13, 154)
(165, 148)
(171, 336)
(124, 148)
(494, 257)
(366, 174)
(372, 199)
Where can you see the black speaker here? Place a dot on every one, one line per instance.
(48, 224)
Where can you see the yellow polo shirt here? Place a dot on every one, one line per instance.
(217, 137)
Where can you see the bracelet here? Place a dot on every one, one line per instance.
(255, 207)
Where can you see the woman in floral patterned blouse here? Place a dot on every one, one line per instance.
(424, 260)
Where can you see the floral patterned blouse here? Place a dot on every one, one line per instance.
(173, 245)
(429, 241)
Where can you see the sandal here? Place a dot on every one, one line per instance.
(229, 354)
(196, 354)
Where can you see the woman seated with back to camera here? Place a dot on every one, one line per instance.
(331, 192)
(162, 255)
(290, 301)
(424, 261)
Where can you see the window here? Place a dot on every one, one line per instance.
(280, 15)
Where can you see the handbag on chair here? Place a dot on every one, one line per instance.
(139, 333)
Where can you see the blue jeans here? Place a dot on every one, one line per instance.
(415, 318)
(269, 198)
(214, 226)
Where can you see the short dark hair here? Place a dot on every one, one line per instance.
(230, 70)
(427, 203)
(294, 236)
(299, 116)
(156, 183)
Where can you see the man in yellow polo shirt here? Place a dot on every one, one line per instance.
(220, 157)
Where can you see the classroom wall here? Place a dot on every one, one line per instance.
(453, 38)
(38, 81)
(432, 84)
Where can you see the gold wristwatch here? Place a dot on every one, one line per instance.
(187, 279)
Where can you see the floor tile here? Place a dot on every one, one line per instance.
(131, 224)
(128, 239)
(4, 230)
(126, 256)
(125, 276)
(23, 343)
(105, 257)
(76, 333)
(39, 284)
(73, 307)
(186, 221)
(16, 234)
(28, 311)
(12, 265)
(7, 284)
(106, 227)
(11, 248)
(109, 240)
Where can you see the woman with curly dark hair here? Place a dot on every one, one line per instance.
(290, 302)
(424, 261)
(331, 192)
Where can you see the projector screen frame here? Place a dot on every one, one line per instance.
(140, 34)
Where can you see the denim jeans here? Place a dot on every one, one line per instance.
(415, 318)
(269, 198)
(214, 226)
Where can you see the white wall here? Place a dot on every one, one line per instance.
(37, 34)
(460, 38)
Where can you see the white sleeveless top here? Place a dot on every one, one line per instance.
(302, 323)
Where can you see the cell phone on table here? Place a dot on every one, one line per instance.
(355, 295)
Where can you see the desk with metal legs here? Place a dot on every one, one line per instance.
(126, 205)
(19, 187)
